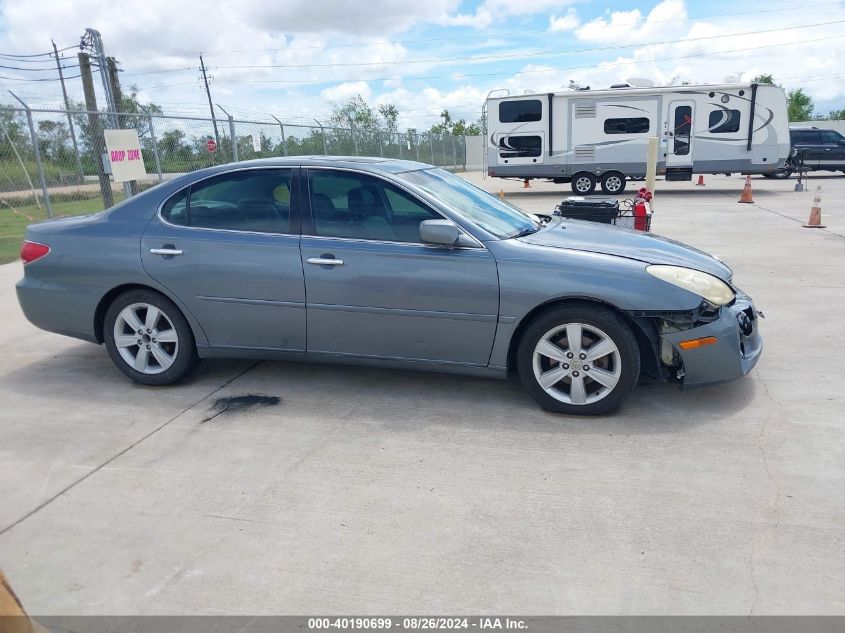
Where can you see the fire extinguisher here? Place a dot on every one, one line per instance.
(644, 196)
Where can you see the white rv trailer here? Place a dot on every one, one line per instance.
(588, 137)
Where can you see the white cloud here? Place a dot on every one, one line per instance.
(630, 26)
(491, 11)
(345, 91)
(566, 22)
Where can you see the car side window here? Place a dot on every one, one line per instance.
(831, 137)
(346, 204)
(255, 200)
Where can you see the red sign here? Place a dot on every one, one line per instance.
(211, 145)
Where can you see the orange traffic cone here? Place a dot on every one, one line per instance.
(501, 194)
(746, 191)
(815, 221)
(527, 184)
(700, 182)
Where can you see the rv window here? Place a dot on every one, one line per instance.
(635, 125)
(520, 111)
(520, 146)
(723, 121)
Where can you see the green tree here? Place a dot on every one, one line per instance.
(764, 79)
(799, 105)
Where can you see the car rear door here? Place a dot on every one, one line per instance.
(807, 144)
(228, 248)
(375, 290)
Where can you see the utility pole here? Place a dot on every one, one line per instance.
(69, 118)
(130, 188)
(210, 105)
(96, 132)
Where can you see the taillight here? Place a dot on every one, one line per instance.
(30, 251)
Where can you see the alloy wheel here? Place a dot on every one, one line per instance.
(583, 184)
(577, 364)
(145, 338)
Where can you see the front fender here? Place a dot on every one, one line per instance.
(531, 276)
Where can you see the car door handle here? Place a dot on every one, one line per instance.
(166, 251)
(324, 261)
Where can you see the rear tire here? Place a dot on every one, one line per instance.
(613, 183)
(149, 339)
(591, 375)
(583, 183)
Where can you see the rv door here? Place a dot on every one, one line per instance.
(679, 134)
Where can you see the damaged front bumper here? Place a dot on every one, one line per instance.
(736, 350)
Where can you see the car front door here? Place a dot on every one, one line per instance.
(228, 248)
(833, 151)
(375, 290)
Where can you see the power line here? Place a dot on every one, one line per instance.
(37, 70)
(511, 34)
(496, 74)
(42, 79)
(534, 54)
(47, 54)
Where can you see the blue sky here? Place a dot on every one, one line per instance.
(295, 58)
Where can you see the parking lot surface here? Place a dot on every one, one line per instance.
(376, 491)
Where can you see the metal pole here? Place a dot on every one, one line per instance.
(69, 118)
(399, 139)
(417, 144)
(284, 140)
(96, 132)
(454, 153)
(355, 141)
(232, 137)
(651, 166)
(37, 152)
(155, 148)
(443, 148)
(431, 146)
(465, 152)
(323, 132)
(210, 106)
(380, 146)
(130, 187)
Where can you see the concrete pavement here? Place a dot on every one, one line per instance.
(371, 491)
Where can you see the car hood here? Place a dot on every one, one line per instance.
(593, 237)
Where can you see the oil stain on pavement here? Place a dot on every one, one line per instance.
(241, 404)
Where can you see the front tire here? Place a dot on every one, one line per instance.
(149, 339)
(583, 183)
(579, 359)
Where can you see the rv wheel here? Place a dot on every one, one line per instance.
(583, 184)
(613, 182)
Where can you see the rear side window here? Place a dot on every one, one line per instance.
(255, 200)
(520, 146)
(723, 121)
(805, 137)
(520, 111)
(629, 125)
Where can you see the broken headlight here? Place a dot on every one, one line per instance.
(711, 288)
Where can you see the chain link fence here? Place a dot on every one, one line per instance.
(52, 162)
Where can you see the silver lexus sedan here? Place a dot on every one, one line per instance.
(384, 262)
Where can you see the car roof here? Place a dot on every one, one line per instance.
(364, 163)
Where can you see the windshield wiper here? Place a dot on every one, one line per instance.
(528, 231)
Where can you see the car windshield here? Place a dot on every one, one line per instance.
(485, 210)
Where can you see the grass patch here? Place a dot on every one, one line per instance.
(13, 223)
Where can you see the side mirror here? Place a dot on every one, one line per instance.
(442, 233)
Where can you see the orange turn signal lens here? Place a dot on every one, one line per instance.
(698, 342)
